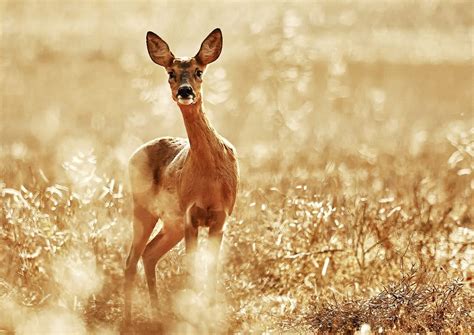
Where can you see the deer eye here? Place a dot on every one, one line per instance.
(172, 74)
(198, 73)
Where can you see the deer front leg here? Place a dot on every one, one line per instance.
(191, 234)
(193, 215)
(216, 231)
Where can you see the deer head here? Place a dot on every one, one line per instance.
(185, 73)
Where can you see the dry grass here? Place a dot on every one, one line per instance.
(357, 160)
(294, 251)
(415, 304)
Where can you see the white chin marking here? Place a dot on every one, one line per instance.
(185, 101)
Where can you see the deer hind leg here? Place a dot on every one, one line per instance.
(143, 224)
(167, 238)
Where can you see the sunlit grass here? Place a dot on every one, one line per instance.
(295, 244)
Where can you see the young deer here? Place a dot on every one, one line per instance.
(187, 183)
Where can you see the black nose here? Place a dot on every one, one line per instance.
(185, 92)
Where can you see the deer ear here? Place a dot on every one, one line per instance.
(211, 48)
(158, 50)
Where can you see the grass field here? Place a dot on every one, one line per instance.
(354, 127)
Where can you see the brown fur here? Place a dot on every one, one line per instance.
(210, 175)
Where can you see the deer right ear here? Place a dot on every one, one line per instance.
(158, 50)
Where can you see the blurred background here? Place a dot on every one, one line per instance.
(353, 121)
(366, 75)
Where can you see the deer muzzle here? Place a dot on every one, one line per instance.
(185, 95)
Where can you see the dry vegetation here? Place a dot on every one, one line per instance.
(354, 125)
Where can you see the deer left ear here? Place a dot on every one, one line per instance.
(211, 48)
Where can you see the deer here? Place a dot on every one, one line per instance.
(187, 183)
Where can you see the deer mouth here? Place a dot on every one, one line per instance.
(185, 101)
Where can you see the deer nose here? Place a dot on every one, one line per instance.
(185, 92)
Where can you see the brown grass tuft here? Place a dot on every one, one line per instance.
(416, 303)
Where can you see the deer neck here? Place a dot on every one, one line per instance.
(203, 138)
